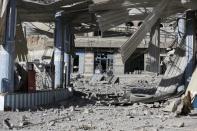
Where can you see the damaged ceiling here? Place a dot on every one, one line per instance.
(107, 13)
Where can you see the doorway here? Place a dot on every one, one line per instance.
(103, 62)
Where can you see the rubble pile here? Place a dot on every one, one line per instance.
(43, 79)
(82, 114)
(98, 107)
(117, 93)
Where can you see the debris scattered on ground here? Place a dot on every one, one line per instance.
(181, 106)
(97, 107)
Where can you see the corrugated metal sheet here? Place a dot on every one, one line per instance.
(28, 100)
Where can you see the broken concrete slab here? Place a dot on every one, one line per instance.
(181, 106)
(115, 80)
(96, 78)
(172, 107)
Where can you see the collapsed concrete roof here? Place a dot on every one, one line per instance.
(89, 15)
(30, 10)
(109, 13)
(104, 14)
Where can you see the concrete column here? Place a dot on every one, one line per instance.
(68, 41)
(89, 62)
(7, 50)
(190, 44)
(59, 52)
(153, 57)
(71, 45)
(81, 55)
(118, 65)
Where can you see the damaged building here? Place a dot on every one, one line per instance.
(127, 60)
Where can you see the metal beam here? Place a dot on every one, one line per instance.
(130, 46)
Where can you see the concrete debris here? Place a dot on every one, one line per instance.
(147, 112)
(129, 115)
(88, 111)
(103, 79)
(96, 78)
(24, 118)
(181, 106)
(156, 105)
(87, 127)
(187, 106)
(172, 107)
(181, 124)
(72, 108)
(114, 80)
(109, 79)
(101, 107)
(51, 123)
(24, 123)
(7, 124)
(177, 124)
(80, 120)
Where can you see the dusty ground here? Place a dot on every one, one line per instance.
(92, 109)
